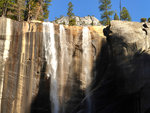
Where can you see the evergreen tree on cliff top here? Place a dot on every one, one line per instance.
(72, 21)
(8, 8)
(105, 6)
(125, 14)
(70, 9)
(25, 9)
(116, 17)
(37, 9)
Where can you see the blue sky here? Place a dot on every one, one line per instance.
(136, 8)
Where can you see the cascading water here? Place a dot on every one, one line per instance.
(86, 56)
(5, 55)
(57, 94)
(86, 64)
(51, 58)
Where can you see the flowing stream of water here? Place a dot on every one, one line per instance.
(86, 64)
(51, 58)
(59, 77)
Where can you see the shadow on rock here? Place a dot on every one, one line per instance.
(41, 103)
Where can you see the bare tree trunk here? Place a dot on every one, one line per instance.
(19, 15)
(28, 17)
(4, 9)
(120, 9)
(38, 11)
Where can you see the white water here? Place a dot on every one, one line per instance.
(86, 57)
(5, 55)
(56, 97)
(7, 41)
(51, 57)
(86, 64)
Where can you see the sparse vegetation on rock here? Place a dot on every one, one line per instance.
(149, 20)
(143, 19)
(116, 17)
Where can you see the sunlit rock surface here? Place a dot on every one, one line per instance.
(27, 80)
(80, 21)
(51, 68)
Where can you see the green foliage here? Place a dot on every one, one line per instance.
(143, 19)
(45, 13)
(8, 8)
(125, 15)
(25, 9)
(72, 22)
(37, 9)
(149, 20)
(105, 6)
(116, 17)
(70, 9)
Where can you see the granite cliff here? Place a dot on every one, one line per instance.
(80, 21)
(51, 68)
(43, 65)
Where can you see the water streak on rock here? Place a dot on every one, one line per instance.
(64, 61)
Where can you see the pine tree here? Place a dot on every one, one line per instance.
(70, 9)
(25, 9)
(37, 9)
(8, 8)
(20, 9)
(116, 17)
(105, 6)
(72, 21)
(125, 14)
(45, 11)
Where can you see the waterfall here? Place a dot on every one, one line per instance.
(86, 64)
(51, 58)
(86, 56)
(59, 77)
(5, 55)
(7, 41)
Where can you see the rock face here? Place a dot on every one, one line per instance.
(80, 21)
(124, 69)
(46, 68)
(51, 68)
(21, 57)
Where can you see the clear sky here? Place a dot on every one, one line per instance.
(136, 8)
